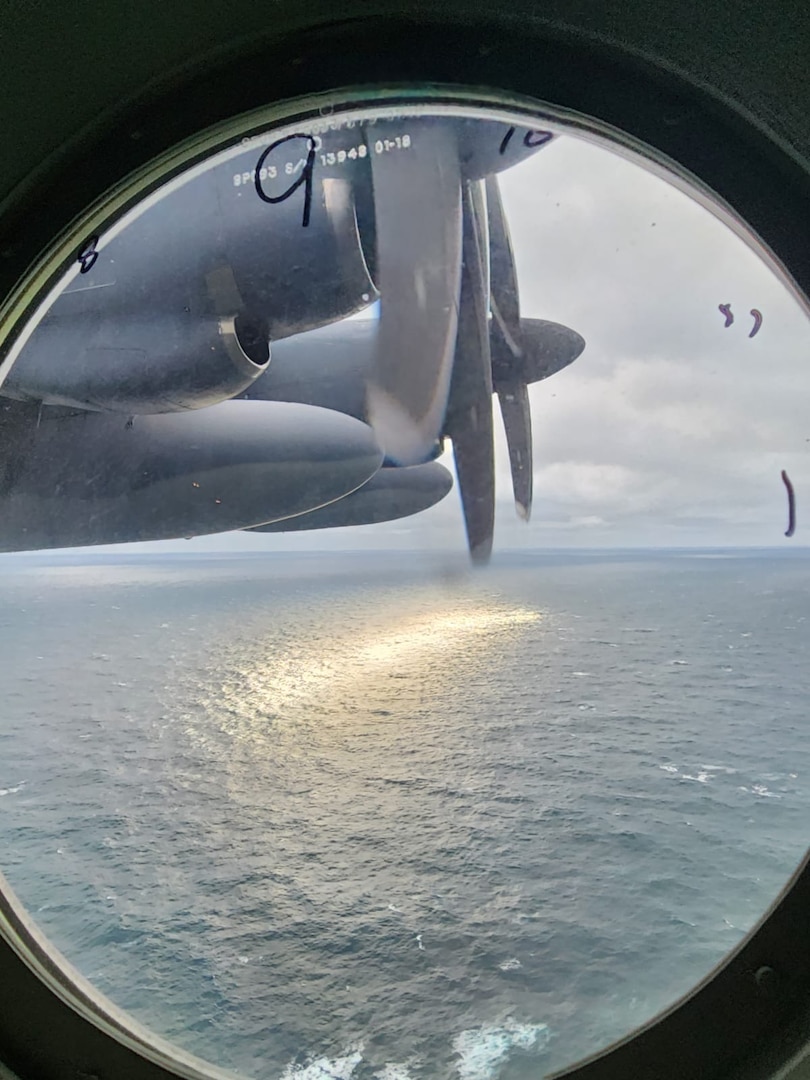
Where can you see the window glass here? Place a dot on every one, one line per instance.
(405, 596)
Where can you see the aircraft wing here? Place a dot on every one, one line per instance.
(72, 478)
(207, 348)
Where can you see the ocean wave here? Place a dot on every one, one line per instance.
(395, 1070)
(325, 1068)
(12, 790)
(298, 823)
(705, 773)
(482, 1050)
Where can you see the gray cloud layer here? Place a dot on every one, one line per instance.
(670, 428)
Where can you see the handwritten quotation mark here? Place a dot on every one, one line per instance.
(725, 310)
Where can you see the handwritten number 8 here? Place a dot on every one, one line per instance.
(305, 178)
(88, 255)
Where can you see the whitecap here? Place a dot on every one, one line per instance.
(325, 1068)
(483, 1049)
(395, 1070)
(12, 790)
(669, 768)
(681, 663)
(510, 965)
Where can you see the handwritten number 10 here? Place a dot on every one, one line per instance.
(305, 178)
(531, 139)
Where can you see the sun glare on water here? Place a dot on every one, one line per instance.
(433, 634)
(379, 664)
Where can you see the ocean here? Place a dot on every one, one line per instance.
(375, 815)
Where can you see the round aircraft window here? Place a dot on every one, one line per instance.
(404, 598)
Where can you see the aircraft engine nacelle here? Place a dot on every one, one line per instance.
(284, 232)
(390, 494)
(97, 478)
(212, 247)
(139, 364)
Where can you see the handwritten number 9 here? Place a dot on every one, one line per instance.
(305, 178)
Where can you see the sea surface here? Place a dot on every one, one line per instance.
(374, 815)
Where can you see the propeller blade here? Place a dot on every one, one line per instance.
(505, 301)
(472, 450)
(547, 348)
(469, 412)
(508, 348)
(517, 421)
(417, 220)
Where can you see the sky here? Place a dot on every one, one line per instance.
(670, 429)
